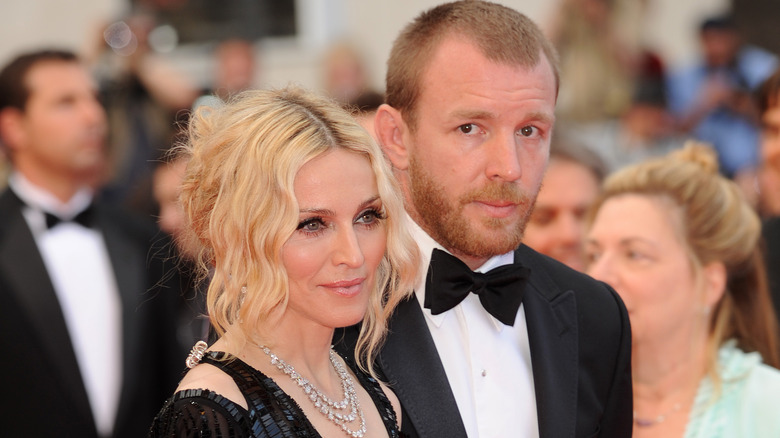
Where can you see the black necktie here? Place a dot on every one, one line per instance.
(450, 280)
(84, 219)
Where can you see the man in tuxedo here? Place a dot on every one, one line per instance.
(537, 350)
(89, 333)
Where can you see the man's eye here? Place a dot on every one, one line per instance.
(468, 128)
(527, 131)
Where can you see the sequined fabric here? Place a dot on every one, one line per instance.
(272, 413)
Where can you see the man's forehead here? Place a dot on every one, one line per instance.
(57, 77)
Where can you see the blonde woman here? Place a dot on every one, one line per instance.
(680, 245)
(298, 215)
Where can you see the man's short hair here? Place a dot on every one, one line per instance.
(14, 90)
(502, 34)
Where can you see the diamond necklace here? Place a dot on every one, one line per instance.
(325, 405)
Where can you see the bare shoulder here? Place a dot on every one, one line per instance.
(206, 376)
(393, 401)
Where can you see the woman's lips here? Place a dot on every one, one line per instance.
(347, 288)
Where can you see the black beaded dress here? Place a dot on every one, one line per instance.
(272, 413)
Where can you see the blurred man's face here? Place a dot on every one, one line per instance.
(166, 188)
(62, 129)
(770, 141)
(719, 46)
(557, 225)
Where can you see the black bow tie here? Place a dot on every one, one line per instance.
(449, 281)
(84, 219)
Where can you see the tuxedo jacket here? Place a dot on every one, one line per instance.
(771, 231)
(580, 343)
(39, 373)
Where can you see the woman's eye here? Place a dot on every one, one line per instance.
(369, 217)
(311, 225)
(635, 255)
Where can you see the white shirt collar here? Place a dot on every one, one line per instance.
(40, 199)
(427, 245)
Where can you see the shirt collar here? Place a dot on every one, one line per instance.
(39, 199)
(427, 244)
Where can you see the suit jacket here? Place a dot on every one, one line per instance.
(45, 394)
(771, 231)
(580, 343)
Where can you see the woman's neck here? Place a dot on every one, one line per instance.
(306, 347)
(667, 370)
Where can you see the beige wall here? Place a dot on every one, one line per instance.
(371, 24)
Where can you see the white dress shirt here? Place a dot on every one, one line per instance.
(78, 264)
(488, 364)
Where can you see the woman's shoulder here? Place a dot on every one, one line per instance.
(211, 375)
(200, 409)
(754, 392)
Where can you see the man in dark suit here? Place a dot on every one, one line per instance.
(89, 334)
(768, 99)
(471, 91)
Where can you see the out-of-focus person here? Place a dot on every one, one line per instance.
(89, 337)
(301, 220)
(570, 185)
(644, 130)
(145, 96)
(364, 108)
(193, 324)
(768, 97)
(235, 69)
(712, 100)
(680, 244)
(344, 72)
(236, 66)
(599, 42)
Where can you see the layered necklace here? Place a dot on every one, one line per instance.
(335, 411)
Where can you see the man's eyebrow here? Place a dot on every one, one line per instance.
(541, 116)
(472, 114)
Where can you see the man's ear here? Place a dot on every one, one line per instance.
(11, 127)
(390, 129)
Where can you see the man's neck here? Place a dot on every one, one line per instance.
(62, 188)
(472, 262)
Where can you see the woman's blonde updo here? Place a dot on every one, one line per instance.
(239, 199)
(718, 225)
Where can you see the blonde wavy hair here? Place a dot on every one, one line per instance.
(239, 200)
(718, 225)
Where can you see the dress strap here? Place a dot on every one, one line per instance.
(272, 412)
(378, 396)
(236, 369)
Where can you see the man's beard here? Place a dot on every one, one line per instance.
(445, 223)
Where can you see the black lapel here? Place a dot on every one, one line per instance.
(29, 281)
(411, 363)
(551, 318)
(129, 266)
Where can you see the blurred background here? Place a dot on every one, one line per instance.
(291, 37)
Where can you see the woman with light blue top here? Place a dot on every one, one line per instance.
(681, 246)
